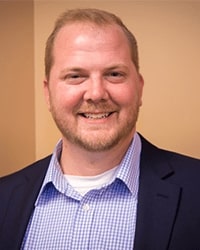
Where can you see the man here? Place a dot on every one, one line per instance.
(105, 186)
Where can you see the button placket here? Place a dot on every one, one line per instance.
(86, 207)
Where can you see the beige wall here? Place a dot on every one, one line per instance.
(169, 37)
(17, 125)
(168, 34)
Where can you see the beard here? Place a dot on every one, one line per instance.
(97, 138)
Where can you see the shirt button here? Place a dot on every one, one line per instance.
(86, 207)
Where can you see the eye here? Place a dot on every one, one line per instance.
(74, 78)
(115, 76)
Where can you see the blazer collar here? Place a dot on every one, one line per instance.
(158, 200)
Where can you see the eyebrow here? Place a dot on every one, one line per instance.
(117, 66)
(76, 69)
(79, 69)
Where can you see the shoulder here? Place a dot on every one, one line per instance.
(150, 150)
(162, 159)
(31, 171)
(170, 167)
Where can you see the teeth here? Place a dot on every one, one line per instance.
(96, 116)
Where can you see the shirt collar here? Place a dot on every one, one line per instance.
(128, 171)
(54, 175)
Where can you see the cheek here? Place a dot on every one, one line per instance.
(124, 96)
(66, 97)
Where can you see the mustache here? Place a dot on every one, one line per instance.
(97, 107)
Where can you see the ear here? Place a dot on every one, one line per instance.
(46, 93)
(141, 85)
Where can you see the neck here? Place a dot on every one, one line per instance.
(77, 161)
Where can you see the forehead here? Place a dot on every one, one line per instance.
(78, 33)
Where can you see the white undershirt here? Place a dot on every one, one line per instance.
(83, 184)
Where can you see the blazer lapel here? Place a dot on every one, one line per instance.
(157, 201)
(19, 204)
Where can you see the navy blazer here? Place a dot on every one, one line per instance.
(168, 214)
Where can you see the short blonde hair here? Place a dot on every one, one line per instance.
(95, 16)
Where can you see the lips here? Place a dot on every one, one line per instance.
(96, 116)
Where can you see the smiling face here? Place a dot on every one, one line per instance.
(93, 91)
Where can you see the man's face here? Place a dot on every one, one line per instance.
(94, 91)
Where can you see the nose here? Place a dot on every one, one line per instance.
(96, 90)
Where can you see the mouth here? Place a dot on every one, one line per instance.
(96, 116)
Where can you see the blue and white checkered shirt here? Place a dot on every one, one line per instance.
(104, 218)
